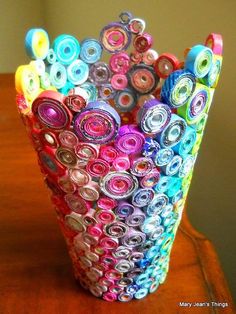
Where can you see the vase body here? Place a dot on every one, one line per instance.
(117, 144)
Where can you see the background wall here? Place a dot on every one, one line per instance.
(17, 16)
(175, 26)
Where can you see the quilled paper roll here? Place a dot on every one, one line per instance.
(115, 37)
(200, 125)
(150, 56)
(91, 50)
(199, 60)
(159, 202)
(173, 166)
(67, 48)
(66, 156)
(186, 144)
(97, 123)
(39, 66)
(68, 139)
(99, 73)
(77, 99)
(125, 17)
(108, 260)
(108, 153)
(150, 224)
(120, 62)
(129, 140)
(107, 203)
(136, 57)
(212, 77)
(156, 234)
(136, 218)
(154, 116)
(173, 132)
(57, 74)
(88, 220)
(133, 238)
(76, 203)
(143, 78)
(151, 147)
(27, 82)
(177, 88)
(143, 42)
(73, 221)
(121, 162)
(141, 293)
(197, 104)
(79, 176)
(66, 185)
(98, 168)
(124, 266)
(105, 217)
(124, 209)
(167, 210)
(50, 110)
(49, 138)
(106, 91)
(125, 100)
(137, 26)
(150, 179)
(77, 72)
(136, 257)
(119, 81)
(215, 43)
(165, 64)
(51, 56)
(118, 185)
(37, 43)
(89, 192)
(142, 197)
(186, 166)
(87, 151)
(164, 156)
(174, 199)
(49, 164)
(140, 166)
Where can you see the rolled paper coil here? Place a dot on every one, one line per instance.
(97, 123)
(67, 49)
(199, 60)
(197, 105)
(37, 43)
(178, 88)
(91, 50)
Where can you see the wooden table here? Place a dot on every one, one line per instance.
(35, 271)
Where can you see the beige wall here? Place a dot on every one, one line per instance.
(17, 16)
(175, 25)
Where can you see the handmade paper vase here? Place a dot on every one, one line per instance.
(117, 143)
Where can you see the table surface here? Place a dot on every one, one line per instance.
(35, 270)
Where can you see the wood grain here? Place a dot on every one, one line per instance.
(35, 271)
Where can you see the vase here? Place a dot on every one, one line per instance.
(117, 143)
